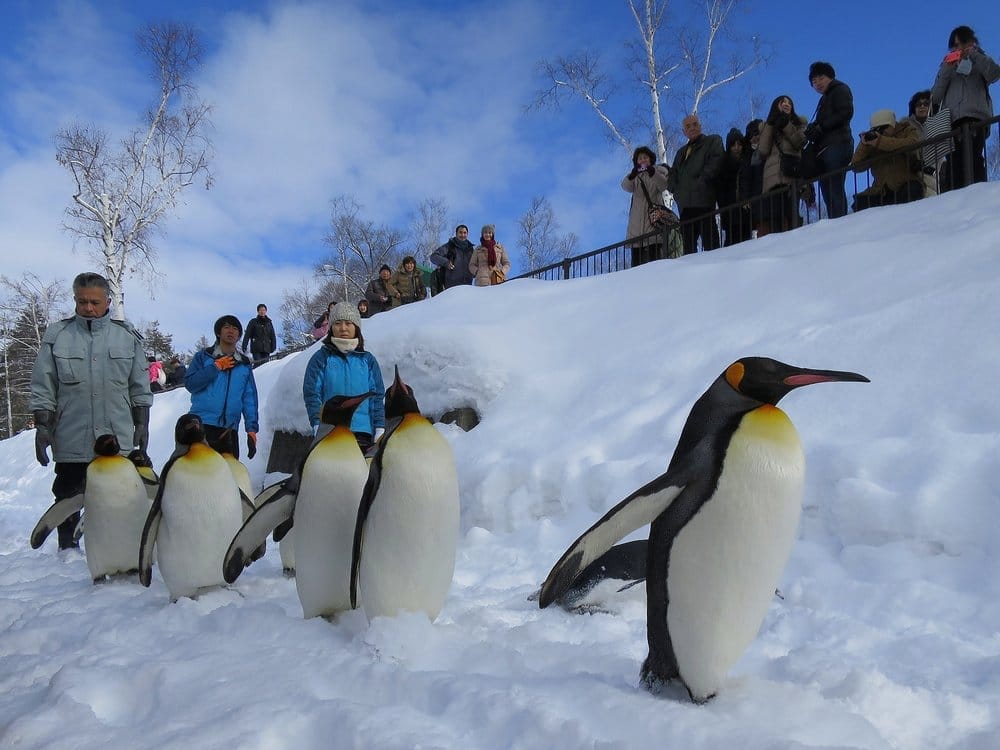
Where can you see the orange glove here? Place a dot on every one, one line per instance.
(225, 363)
(251, 445)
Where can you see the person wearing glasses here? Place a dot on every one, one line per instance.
(919, 114)
(962, 86)
(90, 378)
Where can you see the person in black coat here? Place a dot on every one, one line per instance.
(831, 132)
(733, 189)
(452, 260)
(692, 181)
(260, 340)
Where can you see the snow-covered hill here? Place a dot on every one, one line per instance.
(888, 635)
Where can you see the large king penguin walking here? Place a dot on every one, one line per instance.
(115, 505)
(407, 525)
(320, 502)
(196, 512)
(723, 520)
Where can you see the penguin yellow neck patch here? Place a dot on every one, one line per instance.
(734, 374)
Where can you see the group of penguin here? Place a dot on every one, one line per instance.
(723, 519)
(381, 536)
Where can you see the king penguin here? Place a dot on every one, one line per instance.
(196, 511)
(722, 518)
(407, 526)
(115, 505)
(320, 504)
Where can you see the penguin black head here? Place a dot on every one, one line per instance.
(339, 410)
(189, 430)
(768, 380)
(107, 445)
(399, 399)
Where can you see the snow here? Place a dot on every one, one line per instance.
(888, 635)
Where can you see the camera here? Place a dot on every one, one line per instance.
(953, 57)
(870, 135)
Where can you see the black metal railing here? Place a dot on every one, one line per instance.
(793, 205)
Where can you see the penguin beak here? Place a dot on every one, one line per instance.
(397, 383)
(352, 402)
(808, 377)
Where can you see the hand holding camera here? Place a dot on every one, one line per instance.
(869, 136)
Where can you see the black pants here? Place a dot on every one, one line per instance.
(699, 222)
(223, 439)
(907, 192)
(71, 479)
(645, 254)
(953, 174)
(737, 225)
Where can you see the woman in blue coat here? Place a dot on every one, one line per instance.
(342, 367)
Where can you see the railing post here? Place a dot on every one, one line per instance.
(566, 265)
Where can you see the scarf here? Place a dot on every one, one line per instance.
(345, 345)
(491, 251)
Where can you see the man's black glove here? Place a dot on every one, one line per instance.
(44, 421)
(814, 132)
(251, 445)
(140, 418)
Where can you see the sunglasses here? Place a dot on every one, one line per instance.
(922, 103)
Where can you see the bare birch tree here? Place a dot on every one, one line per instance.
(359, 247)
(677, 74)
(429, 228)
(122, 192)
(27, 306)
(539, 238)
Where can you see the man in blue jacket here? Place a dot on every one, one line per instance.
(223, 389)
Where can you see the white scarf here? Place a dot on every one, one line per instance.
(345, 345)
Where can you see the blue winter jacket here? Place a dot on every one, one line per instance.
(331, 372)
(219, 398)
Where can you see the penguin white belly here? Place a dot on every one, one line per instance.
(115, 505)
(408, 554)
(727, 560)
(201, 513)
(326, 511)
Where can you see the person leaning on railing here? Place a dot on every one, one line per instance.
(897, 177)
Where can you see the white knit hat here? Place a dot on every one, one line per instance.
(345, 311)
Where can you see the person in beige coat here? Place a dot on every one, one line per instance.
(898, 178)
(645, 173)
(406, 285)
(783, 133)
(490, 263)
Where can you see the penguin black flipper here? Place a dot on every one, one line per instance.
(55, 515)
(367, 498)
(636, 510)
(254, 531)
(148, 542)
(623, 562)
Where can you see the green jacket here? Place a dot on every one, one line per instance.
(90, 372)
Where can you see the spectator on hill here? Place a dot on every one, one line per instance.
(962, 85)
(157, 377)
(919, 117)
(378, 293)
(646, 182)
(220, 380)
(322, 324)
(733, 190)
(898, 178)
(452, 259)
(90, 378)
(755, 166)
(782, 135)
(363, 309)
(342, 367)
(831, 132)
(406, 285)
(176, 372)
(489, 264)
(260, 341)
(692, 182)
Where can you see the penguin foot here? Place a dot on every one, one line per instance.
(288, 572)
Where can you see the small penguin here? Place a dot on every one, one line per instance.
(320, 504)
(407, 526)
(115, 505)
(624, 564)
(723, 520)
(196, 511)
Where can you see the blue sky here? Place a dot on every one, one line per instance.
(389, 103)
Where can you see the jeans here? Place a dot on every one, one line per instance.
(835, 156)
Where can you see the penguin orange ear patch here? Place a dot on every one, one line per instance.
(734, 374)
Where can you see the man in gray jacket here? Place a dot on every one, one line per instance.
(91, 371)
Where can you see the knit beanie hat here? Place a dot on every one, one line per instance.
(491, 228)
(883, 117)
(821, 69)
(345, 311)
(231, 320)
